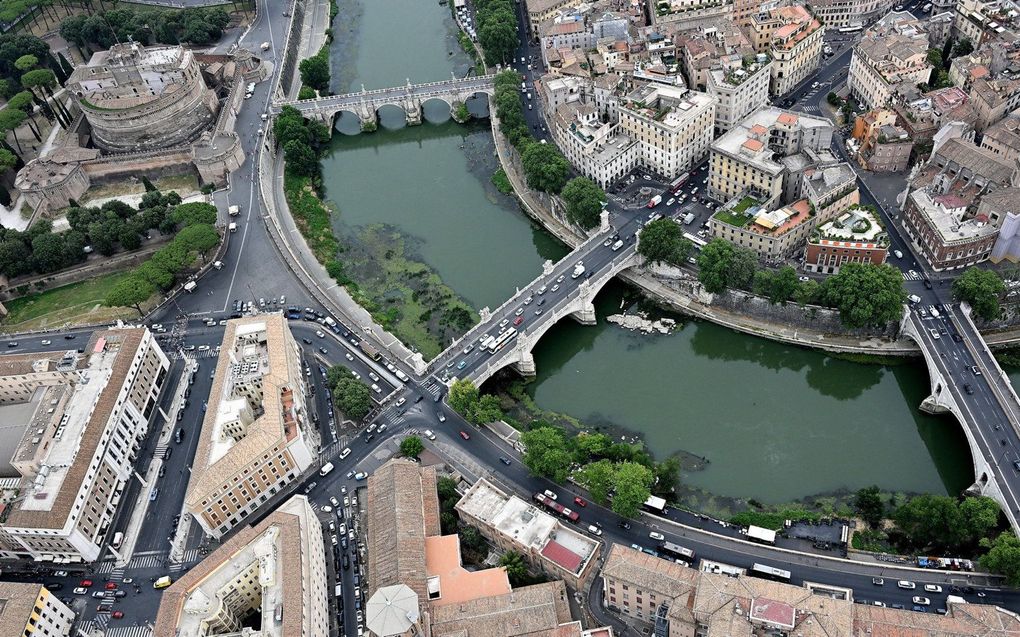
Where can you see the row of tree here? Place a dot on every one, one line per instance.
(303, 141)
(351, 397)
(315, 74)
(619, 473)
(497, 30)
(169, 263)
(40, 250)
(102, 29)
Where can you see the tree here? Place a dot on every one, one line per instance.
(981, 515)
(26, 63)
(472, 539)
(10, 120)
(463, 396)
(188, 214)
(544, 167)
(547, 453)
(743, 265)
(807, 292)
(8, 160)
(353, 398)
(498, 39)
(865, 294)
(516, 569)
(44, 80)
(131, 291)
(157, 276)
(934, 58)
(412, 446)
(15, 257)
(633, 486)
(714, 265)
(981, 289)
(48, 252)
(931, 521)
(778, 285)
(663, 241)
(962, 47)
(486, 410)
(300, 157)
(198, 238)
(599, 478)
(1003, 557)
(591, 446)
(583, 199)
(869, 505)
(833, 99)
(315, 72)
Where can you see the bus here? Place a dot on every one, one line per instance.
(770, 572)
(677, 551)
(369, 351)
(655, 504)
(851, 29)
(679, 182)
(502, 340)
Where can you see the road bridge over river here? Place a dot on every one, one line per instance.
(410, 97)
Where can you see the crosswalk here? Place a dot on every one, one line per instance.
(148, 561)
(160, 451)
(331, 450)
(913, 275)
(433, 387)
(128, 631)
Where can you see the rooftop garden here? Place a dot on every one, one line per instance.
(737, 216)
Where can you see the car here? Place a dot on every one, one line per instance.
(878, 581)
(655, 535)
(333, 501)
(623, 524)
(440, 416)
(803, 279)
(311, 485)
(320, 334)
(919, 609)
(12, 343)
(957, 338)
(465, 435)
(306, 341)
(519, 311)
(932, 588)
(324, 351)
(559, 279)
(520, 319)
(117, 614)
(907, 585)
(203, 348)
(927, 284)
(967, 388)
(348, 356)
(898, 606)
(346, 562)
(974, 370)
(502, 323)
(361, 475)
(401, 401)
(878, 603)
(556, 287)
(343, 529)
(934, 333)
(467, 350)
(922, 601)
(333, 540)
(45, 342)
(579, 501)
(541, 290)
(111, 586)
(59, 573)
(98, 593)
(120, 593)
(549, 494)
(594, 530)
(428, 433)
(85, 583)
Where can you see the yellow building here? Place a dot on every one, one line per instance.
(31, 610)
(792, 37)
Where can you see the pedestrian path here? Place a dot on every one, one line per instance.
(129, 631)
(104, 567)
(331, 450)
(913, 275)
(433, 387)
(149, 561)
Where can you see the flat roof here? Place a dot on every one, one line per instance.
(456, 584)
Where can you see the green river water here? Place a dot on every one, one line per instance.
(775, 423)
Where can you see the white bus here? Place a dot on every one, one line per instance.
(502, 340)
(679, 552)
(851, 29)
(770, 572)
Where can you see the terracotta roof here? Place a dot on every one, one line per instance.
(753, 144)
(561, 555)
(535, 611)
(787, 118)
(442, 559)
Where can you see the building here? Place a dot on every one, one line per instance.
(831, 189)
(418, 584)
(774, 235)
(513, 524)
(739, 92)
(569, 34)
(792, 38)
(638, 585)
(137, 98)
(887, 65)
(672, 125)
(49, 186)
(856, 236)
(256, 436)
(540, 11)
(992, 99)
(690, 12)
(984, 21)
(82, 417)
(838, 14)
(596, 149)
(272, 573)
(1003, 137)
(748, 158)
(719, 44)
(31, 610)
(947, 236)
(881, 145)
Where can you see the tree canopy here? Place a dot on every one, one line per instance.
(351, 397)
(583, 199)
(545, 168)
(663, 241)
(865, 294)
(981, 289)
(1003, 556)
(412, 446)
(546, 453)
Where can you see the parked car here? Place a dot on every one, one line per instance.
(465, 435)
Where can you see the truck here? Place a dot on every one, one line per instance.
(264, 46)
(233, 211)
(578, 271)
(369, 351)
(326, 468)
(655, 201)
(759, 534)
(688, 218)
(556, 507)
(162, 582)
(190, 286)
(232, 227)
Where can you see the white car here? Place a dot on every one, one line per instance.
(401, 401)
(203, 348)
(921, 601)
(906, 585)
(326, 508)
(428, 434)
(348, 356)
(81, 591)
(932, 588)
(655, 535)
(594, 530)
(333, 501)
(320, 334)
(332, 539)
(549, 494)
(46, 342)
(343, 529)
(347, 501)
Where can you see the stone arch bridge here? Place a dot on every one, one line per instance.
(410, 97)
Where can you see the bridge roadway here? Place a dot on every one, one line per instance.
(967, 382)
(571, 297)
(454, 89)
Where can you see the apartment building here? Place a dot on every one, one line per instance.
(690, 602)
(31, 610)
(672, 125)
(513, 524)
(881, 145)
(887, 66)
(569, 34)
(947, 236)
(720, 44)
(984, 22)
(748, 158)
(256, 436)
(792, 38)
(275, 570)
(84, 415)
(1003, 137)
(838, 14)
(774, 235)
(690, 12)
(740, 91)
(416, 581)
(597, 149)
(540, 11)
(856, 236)
(992, 99)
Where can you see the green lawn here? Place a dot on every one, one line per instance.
(733, 219)
(75, 303)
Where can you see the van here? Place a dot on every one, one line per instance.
(232, 227)
(162, 582)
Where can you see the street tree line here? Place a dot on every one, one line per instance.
(104, 229)
(497, 30)
(545, 168)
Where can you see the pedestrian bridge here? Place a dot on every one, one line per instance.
(410, 97)
(574, 299)
(985, 403)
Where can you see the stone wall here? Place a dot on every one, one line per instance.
(290, 46)
(175, 161)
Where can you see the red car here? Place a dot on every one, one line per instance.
(518, 321)
(465, 435)
(111, 585)
(580, 502)
(117, 614)
(86, 583)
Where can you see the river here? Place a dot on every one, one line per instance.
(776, 423)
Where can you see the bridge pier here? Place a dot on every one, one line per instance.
(457, 112)
(412, 110)
(525, 364)
(586, 314)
